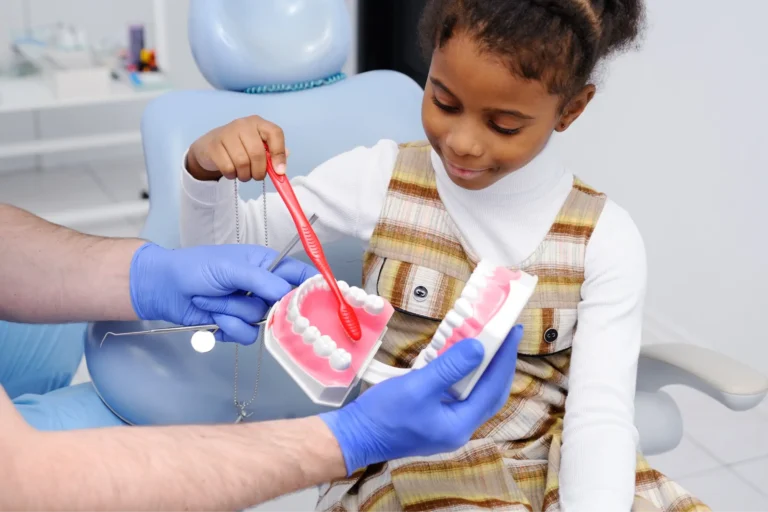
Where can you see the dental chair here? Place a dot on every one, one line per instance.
(161, 379)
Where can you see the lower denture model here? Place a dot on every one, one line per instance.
(488, 308)
(305, 336)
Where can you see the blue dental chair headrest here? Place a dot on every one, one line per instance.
(252, 45)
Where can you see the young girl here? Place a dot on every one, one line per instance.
(504, 75)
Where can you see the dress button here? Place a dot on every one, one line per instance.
(420, 293)
(551, 335)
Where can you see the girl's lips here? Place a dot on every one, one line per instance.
(463, 172)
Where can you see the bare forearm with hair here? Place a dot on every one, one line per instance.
(228, 467)
(54, 274)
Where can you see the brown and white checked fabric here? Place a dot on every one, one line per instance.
(418, 260)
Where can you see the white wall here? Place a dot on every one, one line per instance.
(351, 67)
(678, 136)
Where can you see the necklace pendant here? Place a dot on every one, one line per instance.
(242, 415)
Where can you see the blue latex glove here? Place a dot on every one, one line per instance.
(207, 284)
(410, 416)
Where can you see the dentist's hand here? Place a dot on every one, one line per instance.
(409, 416)
(206, 284)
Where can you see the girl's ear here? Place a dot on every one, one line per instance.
(575, 107)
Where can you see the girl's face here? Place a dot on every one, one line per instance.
(483, 121)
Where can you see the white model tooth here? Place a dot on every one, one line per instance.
(454, 319)
(324, 346)
(293, 311)
(311, 334)
(478, 281)
(356, 297)
(438, 341)
(485, 268)
(430, 354)
(300, 324)
(374, 304)
(463, 308)
(445, 329)
(343, 286)
(340, 359)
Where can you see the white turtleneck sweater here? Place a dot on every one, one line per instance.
(505, 222)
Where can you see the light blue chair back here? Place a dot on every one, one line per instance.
(161, 379)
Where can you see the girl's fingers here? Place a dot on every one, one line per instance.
(238, 155)
(208, 158)
(223, 161)
(275, 138)
(254, 147)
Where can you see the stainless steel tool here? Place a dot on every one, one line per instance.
(213, 327)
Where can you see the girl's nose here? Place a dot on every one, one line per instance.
(461, 142)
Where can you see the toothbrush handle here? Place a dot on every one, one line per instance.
(312, 247)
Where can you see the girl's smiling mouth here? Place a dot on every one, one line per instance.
(464, 173)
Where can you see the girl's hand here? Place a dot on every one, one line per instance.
(236, 150)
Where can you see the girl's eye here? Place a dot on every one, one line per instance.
(504, 131)
(454, 110)
(443, 106)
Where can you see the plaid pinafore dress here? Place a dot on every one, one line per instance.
(513, 460)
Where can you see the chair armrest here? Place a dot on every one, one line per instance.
(733, 384)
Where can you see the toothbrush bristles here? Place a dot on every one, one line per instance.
(349, 321)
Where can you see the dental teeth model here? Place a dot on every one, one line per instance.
(304, 334)
(488, 308)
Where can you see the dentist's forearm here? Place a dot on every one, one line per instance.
(52, 274)
(226, 467)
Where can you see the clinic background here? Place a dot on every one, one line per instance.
(676, 135)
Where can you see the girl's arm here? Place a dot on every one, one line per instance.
(600, 440)
(346, 192)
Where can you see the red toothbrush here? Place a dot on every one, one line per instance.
(313, 248)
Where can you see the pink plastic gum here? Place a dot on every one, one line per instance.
(304, 334)
(488, 308)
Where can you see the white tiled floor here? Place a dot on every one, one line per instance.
(723, 458)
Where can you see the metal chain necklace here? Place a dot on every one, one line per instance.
(241, 406)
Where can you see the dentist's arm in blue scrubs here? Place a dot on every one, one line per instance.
(49, 273)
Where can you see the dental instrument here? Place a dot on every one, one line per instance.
(212, 328)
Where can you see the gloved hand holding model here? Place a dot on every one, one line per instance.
(412, 415)
(52, 274)
(201, 285)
